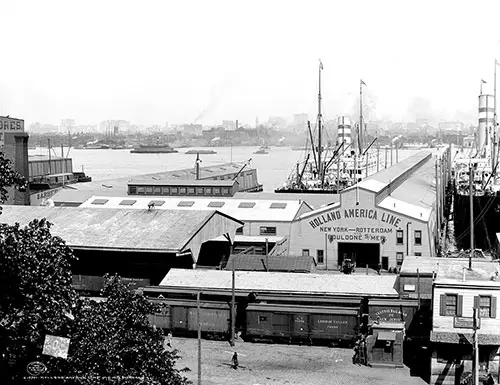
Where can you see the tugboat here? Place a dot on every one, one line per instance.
(329, 170)
(262, 150)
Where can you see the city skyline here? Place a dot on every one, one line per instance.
(204, 62)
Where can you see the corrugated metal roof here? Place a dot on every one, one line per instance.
(390, 174)
(261, 210)
(183, 182)
(247, 262)
(336, 284)
(313, 200)
(447, 267)
(165, 230)
(189, 173)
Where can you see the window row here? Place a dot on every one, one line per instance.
(452, 305)
(320, 256)
(417, 237)
(263, 230)
(160, 190)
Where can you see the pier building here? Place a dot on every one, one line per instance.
(137, 244)
(381, 220)
(14, 144)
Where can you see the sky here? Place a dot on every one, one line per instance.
(153, 62)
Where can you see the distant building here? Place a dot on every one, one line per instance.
(451, 126)
(67, 125)
(192, 129)
(14, 144)
(300, 119)
(229, 125)
(114, 127)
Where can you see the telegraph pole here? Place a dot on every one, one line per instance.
(233, 320)
(199, 337)
(475, 365)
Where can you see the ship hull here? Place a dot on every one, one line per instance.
(486, 220)
(152, 151)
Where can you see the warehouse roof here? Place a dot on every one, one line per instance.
(183, 182)
(450, 268)
(245, 210)
(299, 264)
(394, 172)
(336, 284)
(125, 230)
(207, 172)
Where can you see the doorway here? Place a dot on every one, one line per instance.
(361, 254)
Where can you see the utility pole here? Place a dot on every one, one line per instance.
(199, 336)
(475, 337)
(233, 320)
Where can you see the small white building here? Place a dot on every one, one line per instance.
(261, 217)
(381, 220)
(456, 292)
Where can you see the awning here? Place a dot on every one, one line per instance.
(386, 336)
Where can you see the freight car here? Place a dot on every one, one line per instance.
(303, 323)
(181, 317)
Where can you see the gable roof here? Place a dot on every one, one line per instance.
(114, 229)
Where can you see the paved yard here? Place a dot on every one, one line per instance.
(266, 364)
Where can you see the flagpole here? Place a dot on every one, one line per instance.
(320, 165)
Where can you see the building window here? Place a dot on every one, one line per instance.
(200, 191)
(418, 237)
(141, 190)
(486, 305)
(320, 257)
(268, 230)
(305, 252)
(225, 191)
(450, 305)
(216, 191)
(418, 254)
(165, 190)
(182, 191)
(157, 190)
(239, 230)
(149, 189)
(191, 190)
(132, 190)
(262, 319)
(399, 259)
(174, 190)
(399, 237)
(208, 191)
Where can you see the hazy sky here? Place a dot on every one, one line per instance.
(178, 60)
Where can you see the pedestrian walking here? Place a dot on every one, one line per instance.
(235, 360)
(489, 380)
(169, 339)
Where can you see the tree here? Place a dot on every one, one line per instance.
(9, 178)
(37, 296)
(113, 340)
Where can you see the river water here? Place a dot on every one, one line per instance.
(272, 169)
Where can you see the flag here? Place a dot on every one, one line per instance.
(320, 65)
(363, 83)
(482, 81)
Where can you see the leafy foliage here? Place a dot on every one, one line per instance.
(114, 341)
(9, 178)
(35, 282)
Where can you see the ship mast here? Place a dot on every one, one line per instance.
(320, 162)
(360, 128)
(494, 155)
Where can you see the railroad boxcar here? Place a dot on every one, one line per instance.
(311, 323)
(181, 316)
(95, 283)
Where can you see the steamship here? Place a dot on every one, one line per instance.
(330, 169)
(476, 180)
